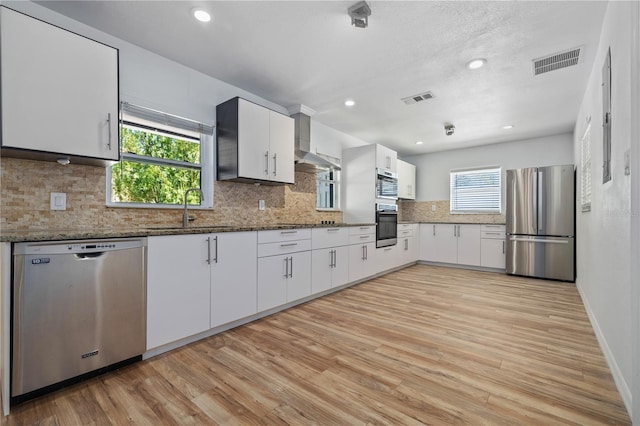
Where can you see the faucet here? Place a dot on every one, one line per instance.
(185, 216)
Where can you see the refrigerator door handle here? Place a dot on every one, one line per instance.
(536, 208)
(538, 240)
(540, 203)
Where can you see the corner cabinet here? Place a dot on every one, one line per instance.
(406, 180)
(450, 243)
(254, 143)
(59, 92)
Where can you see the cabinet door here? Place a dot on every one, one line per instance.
(59, 90)
(299, 282)
(273, 273)
(321, 269)
(408, 250)
(233, 276)
(178, 288)
(492, 253)
(340, 272)
(406, 180)
(281, 147)
(428, 248)
(356, 262)
(253, 140)
(469, 244)
(446, 243)
(386, 159)
(369, 266)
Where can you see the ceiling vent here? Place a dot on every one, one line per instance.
(557, 61)
(418, 98)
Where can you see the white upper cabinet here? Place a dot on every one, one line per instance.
(254, 143)
(59, 92)
(406, 180)
(386, 159)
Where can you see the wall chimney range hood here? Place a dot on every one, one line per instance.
(305, 160)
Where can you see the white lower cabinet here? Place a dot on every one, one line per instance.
(362, 246)
(329, 268)
(233, 276)
(284, 267)
(178, 288)
(492, 246)
(450, 243)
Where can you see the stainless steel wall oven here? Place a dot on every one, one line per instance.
(386, 225)
(386, 184)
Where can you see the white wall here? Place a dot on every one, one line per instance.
(603, 234)
(153, 81)
(432, 170)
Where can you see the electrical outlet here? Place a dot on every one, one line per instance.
(433, 207)
(58, 201)
(261, 204)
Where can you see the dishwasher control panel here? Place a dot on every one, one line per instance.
(86, 246)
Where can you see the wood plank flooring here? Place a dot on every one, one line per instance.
(425, 345)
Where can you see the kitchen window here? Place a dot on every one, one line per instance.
(161, 157)
(476, 191)
(328, 190)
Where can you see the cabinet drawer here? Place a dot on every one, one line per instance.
(405, 226)
(329, 237)
(357, 239)
(405, 232)
(272, 249)
(493, 231)
(276, 235)
(360, 230)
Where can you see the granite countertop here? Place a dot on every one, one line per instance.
(23, 235)
(459, 223)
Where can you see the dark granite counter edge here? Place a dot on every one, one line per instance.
(15, 236)
(458, 223)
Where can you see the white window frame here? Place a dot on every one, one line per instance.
(146, 116)
(336, 191)
(454, 198)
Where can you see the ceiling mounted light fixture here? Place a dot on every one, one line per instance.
(508, 126)
(201, 15)
(476, 63)
(349, 103)
(419, 143)
(359, 14)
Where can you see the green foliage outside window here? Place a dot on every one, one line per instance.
(140, 182)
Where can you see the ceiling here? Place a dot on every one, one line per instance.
(307, 52)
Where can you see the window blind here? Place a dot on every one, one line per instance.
(164, 121)
(585, 169)
(476, 191)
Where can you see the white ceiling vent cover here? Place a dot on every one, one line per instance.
(557, 61)
(418, 98)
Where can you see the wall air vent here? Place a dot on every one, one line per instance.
(417, 98)
(557, 61)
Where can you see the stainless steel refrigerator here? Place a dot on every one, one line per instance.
(541, 222)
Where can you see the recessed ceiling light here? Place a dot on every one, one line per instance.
(201, 15)
(508, 126)
(476, 63)
(419, 143)
(349, 102)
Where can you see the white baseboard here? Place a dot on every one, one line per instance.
(618, 378)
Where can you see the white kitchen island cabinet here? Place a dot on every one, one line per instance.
(59, 92)
(200, 281)
(254, 143)
(450, 243)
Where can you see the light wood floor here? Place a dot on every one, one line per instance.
(426, 345)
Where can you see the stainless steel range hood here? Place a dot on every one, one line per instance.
(305, 160)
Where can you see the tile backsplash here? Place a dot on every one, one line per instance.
(26, 185)
(422, 211)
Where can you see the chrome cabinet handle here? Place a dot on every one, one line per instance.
(266, 163)
(363, 258)
(275, 164)
(291, 271)
(333, 229)
(503, 247)
(366, 253)
(109, 127)
(330, 258)
(406, 244)
(288, 245)
(288, 232)
(362, 237)
(492, 233)
(286, 267)
(335, 258)
(209, 250)
(364, 227)
(215, 259)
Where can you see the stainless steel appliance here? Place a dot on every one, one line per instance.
(386, 225)
(386, 184)
(541, 222)
(78, 306)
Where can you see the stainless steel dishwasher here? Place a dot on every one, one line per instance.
(78, 307)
